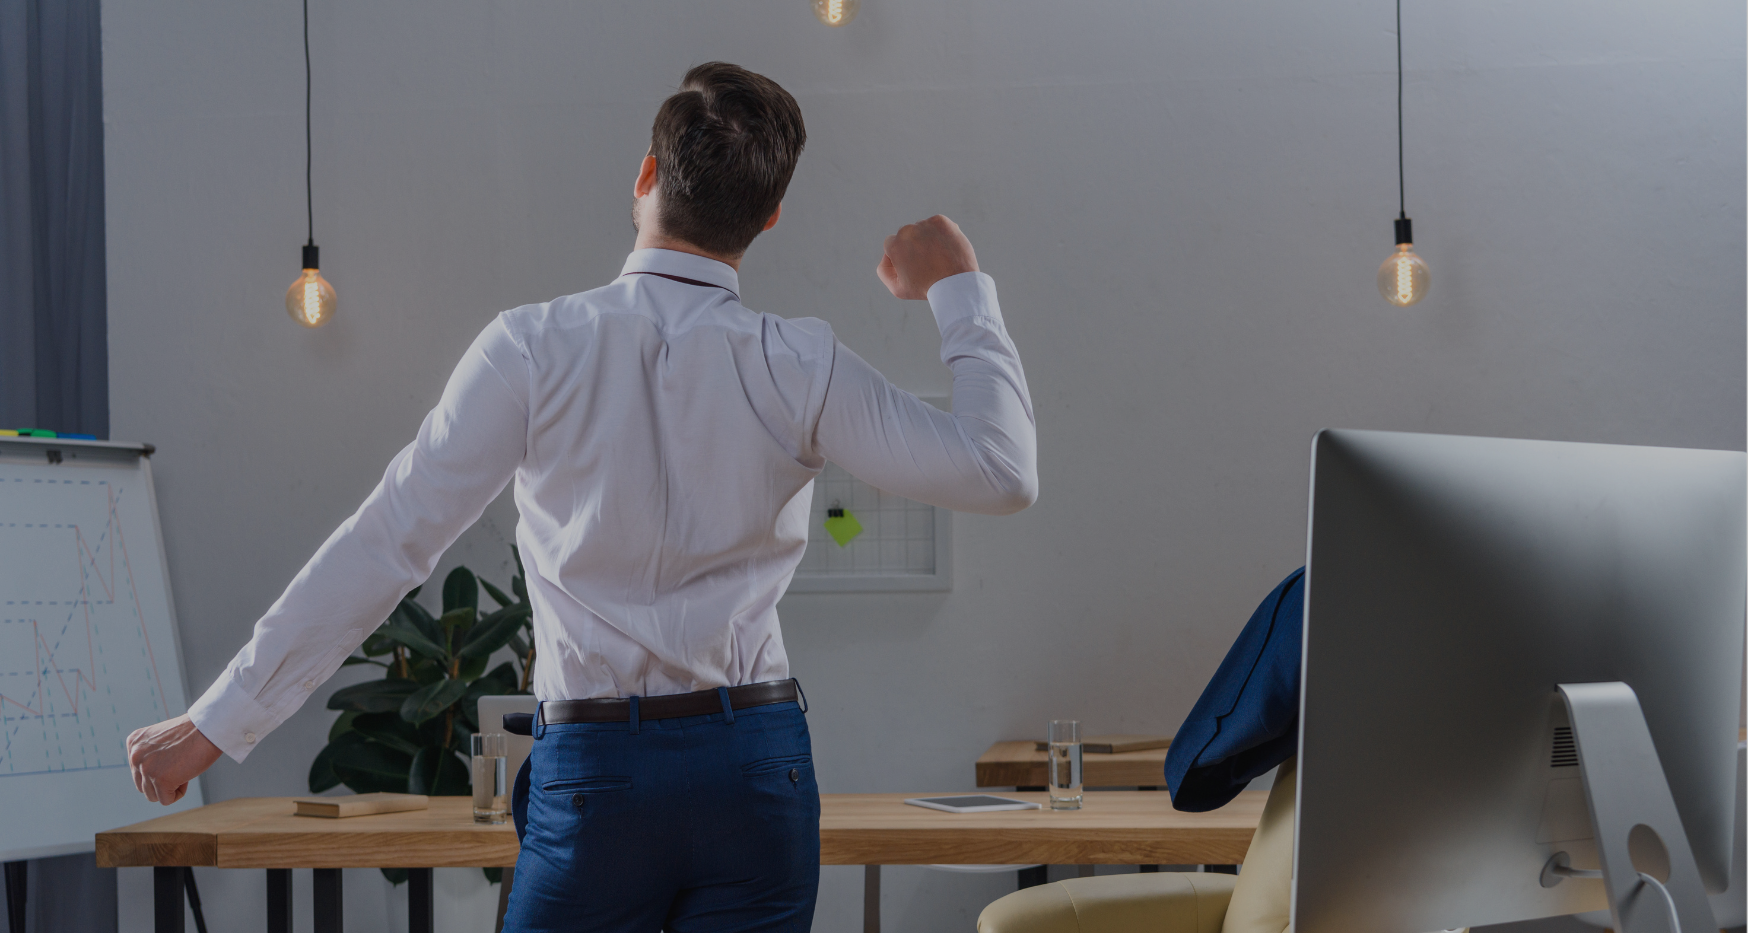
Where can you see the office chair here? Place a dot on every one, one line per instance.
(1257, 901)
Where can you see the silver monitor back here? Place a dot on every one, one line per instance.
(1452, 583)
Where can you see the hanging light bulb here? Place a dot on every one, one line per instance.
(310, 299)
(1403, 278)
(836, 12)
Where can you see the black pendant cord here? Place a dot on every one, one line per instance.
(310, 187)
(1402, 187)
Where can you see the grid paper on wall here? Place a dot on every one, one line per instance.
(904, 544)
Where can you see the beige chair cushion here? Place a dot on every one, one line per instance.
(1257, 901)
(1263, 900)
(1167, 902)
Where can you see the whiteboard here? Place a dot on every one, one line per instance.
(88, 646)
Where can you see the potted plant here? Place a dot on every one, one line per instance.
(407, 733)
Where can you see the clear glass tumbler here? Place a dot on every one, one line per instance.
(1064, 765)
(491, 788)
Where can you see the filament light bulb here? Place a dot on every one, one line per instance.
(836, 12)
(310, 299)
(1403, 278)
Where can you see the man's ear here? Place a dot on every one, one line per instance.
(775, 215)
(646, 178)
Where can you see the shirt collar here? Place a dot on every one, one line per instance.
(684, 265)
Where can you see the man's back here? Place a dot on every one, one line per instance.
(664, 493)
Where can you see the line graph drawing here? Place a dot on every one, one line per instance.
(79, 669)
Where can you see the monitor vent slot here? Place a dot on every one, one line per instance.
(1565, 750)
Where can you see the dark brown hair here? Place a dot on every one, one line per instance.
(725, 147)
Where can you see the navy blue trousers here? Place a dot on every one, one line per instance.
(679, 825)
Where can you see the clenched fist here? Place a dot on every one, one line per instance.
(165, 757)
(921, 254)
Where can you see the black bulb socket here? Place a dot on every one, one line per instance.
(312, 256)
(1404, 231)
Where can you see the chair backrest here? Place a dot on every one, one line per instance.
(1262, 900)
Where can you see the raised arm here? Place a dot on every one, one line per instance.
(981, 457)
(467, 448)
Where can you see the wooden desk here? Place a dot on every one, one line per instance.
(1020, 764)
(1115, 828)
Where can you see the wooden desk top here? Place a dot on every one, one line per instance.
(1020, 764)
(264, 832)
(1115, 828)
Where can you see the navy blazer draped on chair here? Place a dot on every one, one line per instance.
(1247, 720)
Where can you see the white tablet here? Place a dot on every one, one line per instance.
(972, 803)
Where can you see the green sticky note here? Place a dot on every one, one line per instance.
(843, 527)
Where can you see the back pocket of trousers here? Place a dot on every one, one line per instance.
(795, 765)
(593, 785)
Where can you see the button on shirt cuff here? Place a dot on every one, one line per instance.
(966, 295)
(230, 718)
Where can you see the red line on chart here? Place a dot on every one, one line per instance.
(40, 647)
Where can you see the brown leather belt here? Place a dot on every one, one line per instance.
(672, 706)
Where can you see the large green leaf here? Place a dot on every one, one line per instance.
(439, 773)
(496, 594)
(394, 875)
(342, 725)
(494, 632)
(460, 590)
(367, 764)
(470, 669)
(352, 659)
(378, 644)
(432, 699)
(322, 774)
(415, 615)
(415, 640)
(518, 645)
(429, 671)
(374, 696)
(458, 618)
(389, 729)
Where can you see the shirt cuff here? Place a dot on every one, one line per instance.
(966, 295)
(230, 718)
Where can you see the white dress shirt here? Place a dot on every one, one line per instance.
(664, 440)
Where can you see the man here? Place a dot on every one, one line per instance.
(663, 439)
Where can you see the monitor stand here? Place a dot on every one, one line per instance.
(1637, 826)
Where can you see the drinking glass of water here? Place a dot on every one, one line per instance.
(490, 778)
(1064, 765)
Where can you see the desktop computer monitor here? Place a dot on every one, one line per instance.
(1452, 584)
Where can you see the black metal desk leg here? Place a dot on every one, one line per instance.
(871, 899)
(278, 900)
(17, 884)
(504, 888)
(421, 903)
(167, 912)
(1032, 877)
(329, 918)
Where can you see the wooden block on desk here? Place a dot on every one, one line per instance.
(1114, 744)
(339, 808)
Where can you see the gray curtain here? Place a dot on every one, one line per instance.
(54, 343)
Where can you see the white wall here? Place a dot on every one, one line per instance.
(1184, 206)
